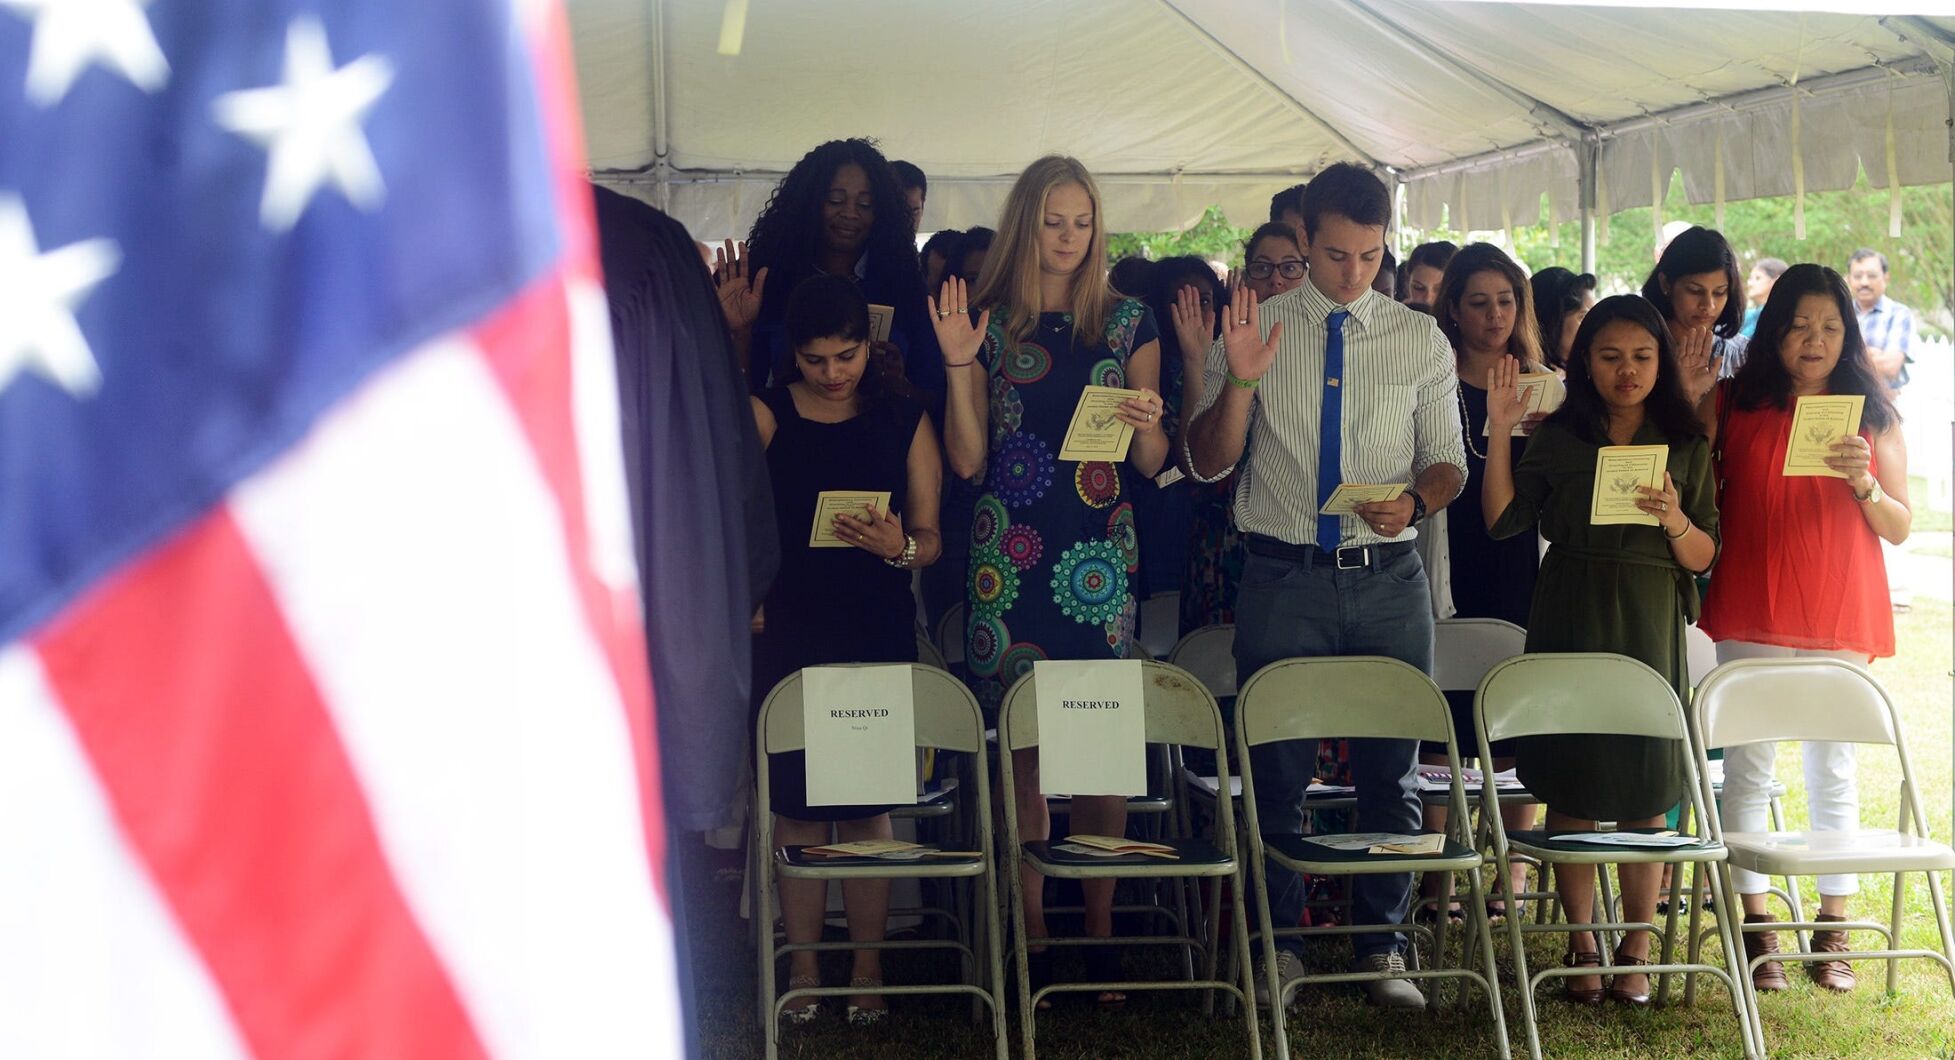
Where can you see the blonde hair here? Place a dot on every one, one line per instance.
(1011, 271)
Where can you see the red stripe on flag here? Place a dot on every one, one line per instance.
(527, 347)
(225, 771)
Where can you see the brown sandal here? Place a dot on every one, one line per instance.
(1617, 993)
(1581, 959)
(1836, 976)
(1768, 977)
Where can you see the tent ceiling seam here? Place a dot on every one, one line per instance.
(1248, 69)
(1545, 115)
(1898, 70)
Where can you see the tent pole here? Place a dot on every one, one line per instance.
(1587, 160)
(661, 150)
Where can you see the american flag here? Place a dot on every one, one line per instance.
(325, 729)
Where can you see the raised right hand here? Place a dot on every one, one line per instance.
(1194, 325)
(1505, 406)
(957, 337)
(1250, 355)
(1695, 362)
(739, 297)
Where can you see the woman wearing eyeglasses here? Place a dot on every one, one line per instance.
(1272, 265)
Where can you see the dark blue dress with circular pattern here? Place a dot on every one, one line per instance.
(1053, 548)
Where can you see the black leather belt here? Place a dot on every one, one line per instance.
(1350, 557)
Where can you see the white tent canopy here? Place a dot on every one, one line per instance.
(1478, 108)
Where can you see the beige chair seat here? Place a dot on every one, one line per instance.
(1818, 853)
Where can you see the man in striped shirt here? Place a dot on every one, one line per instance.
(1887, 326)
(1334, 383)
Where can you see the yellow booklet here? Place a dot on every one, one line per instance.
(1348, 495)
(1096, 433)
(1817, 423)
(1619, 469)
(864, 848)
(831, 503)
(1120, 845)
(1540, 392)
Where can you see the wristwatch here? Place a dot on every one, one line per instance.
(1872, 496)
(902, 560)
(1418, 507)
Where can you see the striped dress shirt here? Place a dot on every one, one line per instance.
(1401, 411)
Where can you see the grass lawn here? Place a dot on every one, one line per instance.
(1331, 1022)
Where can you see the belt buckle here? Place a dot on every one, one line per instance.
(1360, 553)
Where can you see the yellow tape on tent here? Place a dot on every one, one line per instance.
(1656, 191)
(1717, 181)
(1798, 175)
(1893, 176)
(1601, 206)
(733, 27)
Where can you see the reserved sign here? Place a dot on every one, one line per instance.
(1092, 727)
(860, 727)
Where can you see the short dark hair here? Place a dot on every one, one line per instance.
(1349, 191)
(909, 176)
(1586, 415)
(833, 307)
(1290, 198)
(826, 307)
(974, 240)
(943, 241)
(1763, 379)
(1699, 250)
(1434, 255)
(1557, 292)
(1773, 267)
(1272, 230)
(1131, 275)
(1868, 252)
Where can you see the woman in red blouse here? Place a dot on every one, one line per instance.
(1802, 573)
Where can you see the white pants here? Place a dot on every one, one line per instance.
(1832, 797)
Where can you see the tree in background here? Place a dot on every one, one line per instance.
(1837, 223)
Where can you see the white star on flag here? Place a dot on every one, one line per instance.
(38, 296)
(71, 34)
(311, 126)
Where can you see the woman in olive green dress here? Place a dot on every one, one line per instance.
(1623, 589)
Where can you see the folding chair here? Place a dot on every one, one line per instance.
(1355, 697)
(1179, 712)
(947, 718)
(1208, 655)
(1539, 695)
(1757, 700)
(1463, 650)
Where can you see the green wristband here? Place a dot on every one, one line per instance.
(1246, 384)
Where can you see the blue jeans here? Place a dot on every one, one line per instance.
(1288, 608)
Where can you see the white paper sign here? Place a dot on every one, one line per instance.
(860, 724)
(1092, 727)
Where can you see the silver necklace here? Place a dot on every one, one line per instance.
(1466, 423)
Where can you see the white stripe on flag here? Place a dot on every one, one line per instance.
(420, 560)
(96, 964)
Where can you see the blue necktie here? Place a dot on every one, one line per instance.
(1330, 430)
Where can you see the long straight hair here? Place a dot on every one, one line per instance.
(1524, 341)
(1011, 269)
(1764, 381)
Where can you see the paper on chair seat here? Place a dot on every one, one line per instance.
(1628, 839)
(1367, 840)
(1440, 778)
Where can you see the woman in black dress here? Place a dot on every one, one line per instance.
(1484, 309)
(847, 423)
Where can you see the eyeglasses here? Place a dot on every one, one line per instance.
(1291, 268)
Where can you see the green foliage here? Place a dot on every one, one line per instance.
(1212, 238)
(1837, 223)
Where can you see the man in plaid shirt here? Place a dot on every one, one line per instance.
(1886, 325)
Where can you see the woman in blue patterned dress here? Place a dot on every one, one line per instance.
(1053, 547)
